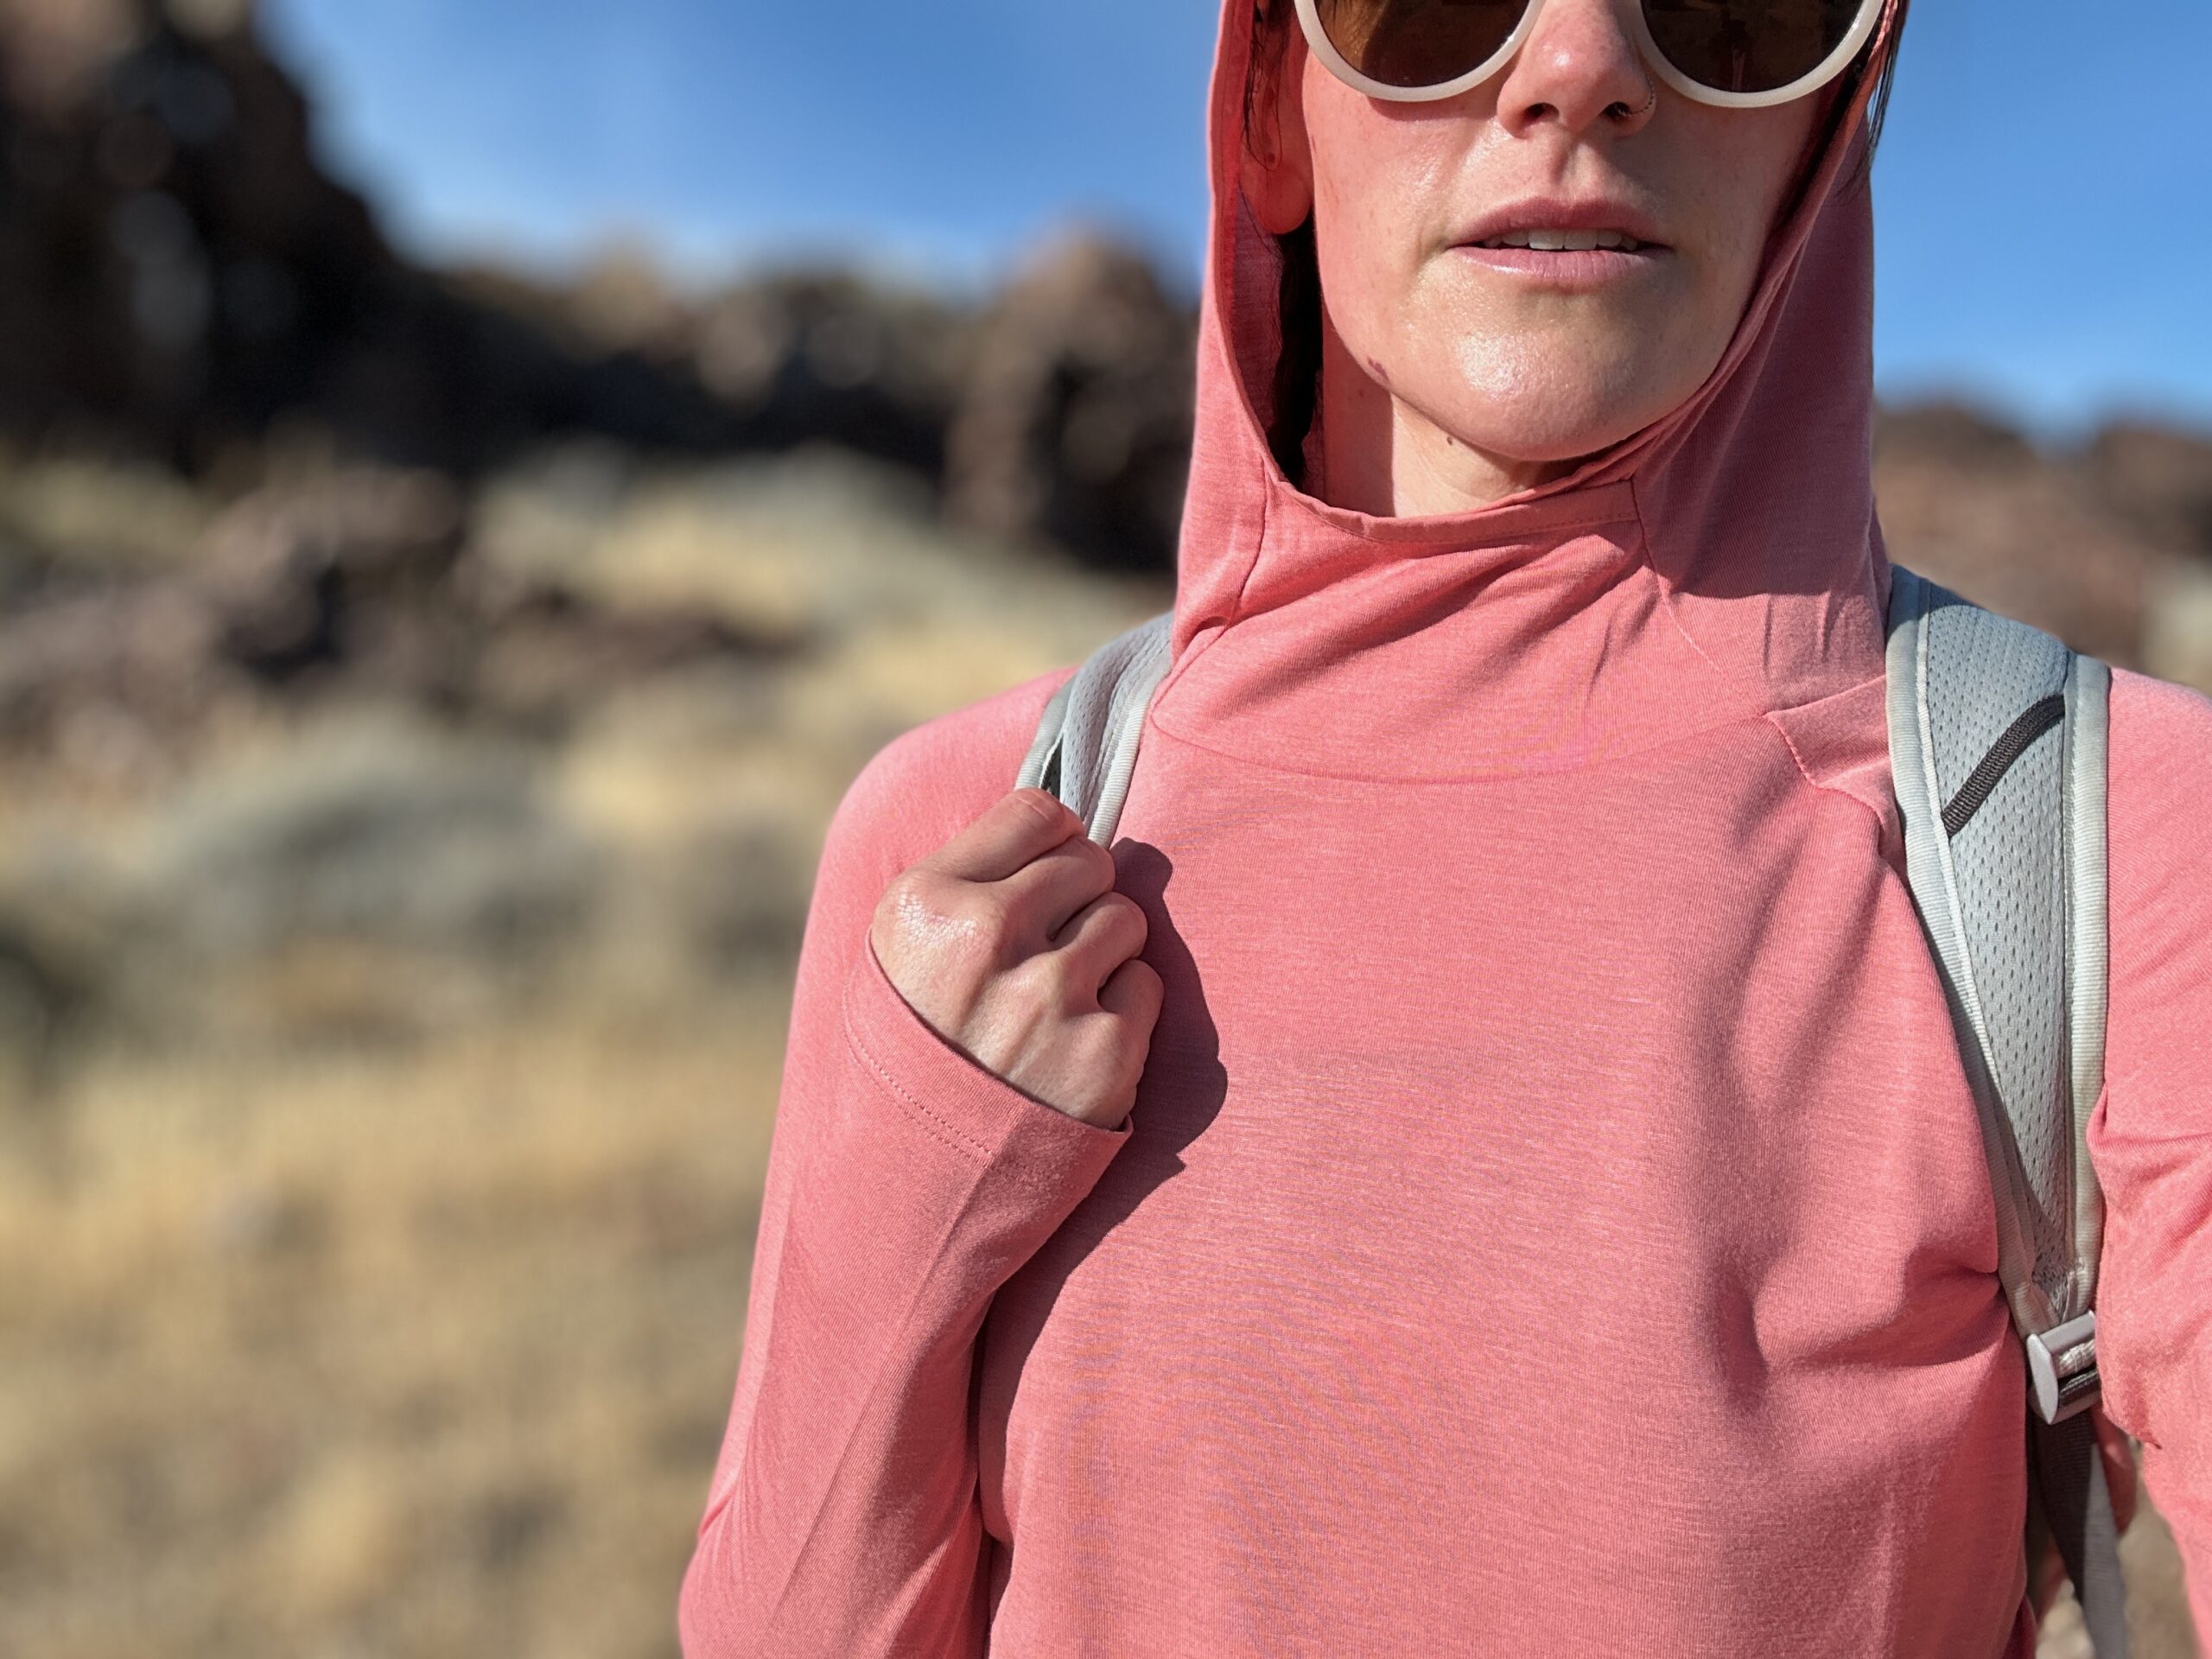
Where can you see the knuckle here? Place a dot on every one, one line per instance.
(1139, 922)
(1042, 982)
(896, 889)
(892, 906)
(977, 919)
(948, 918)
(1047, 808)
(910, 898)
(920, 887)
(1094, 875)
(1114, 923)
(1146, 996)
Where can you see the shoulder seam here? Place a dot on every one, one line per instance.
(1806, 771)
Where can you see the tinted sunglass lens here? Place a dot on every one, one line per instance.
(1418, 43)
(1749, 46)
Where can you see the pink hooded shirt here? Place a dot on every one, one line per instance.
(1553, 1218)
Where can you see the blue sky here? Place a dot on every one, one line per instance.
(2044, 195)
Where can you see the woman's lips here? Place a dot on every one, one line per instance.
(1566, 268)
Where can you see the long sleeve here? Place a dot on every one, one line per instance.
(906, 1184)
(2151, 1138)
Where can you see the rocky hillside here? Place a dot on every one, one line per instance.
(2108, 545)
(180, 279)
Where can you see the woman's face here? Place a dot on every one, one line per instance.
(1511, 354)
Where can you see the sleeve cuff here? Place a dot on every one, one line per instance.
(956, 1097)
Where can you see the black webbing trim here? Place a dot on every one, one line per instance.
(2009, 747)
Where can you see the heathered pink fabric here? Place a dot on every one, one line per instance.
(1551, 1221)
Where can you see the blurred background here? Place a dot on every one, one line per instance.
(477, 479)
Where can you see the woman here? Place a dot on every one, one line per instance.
(1483, 1165)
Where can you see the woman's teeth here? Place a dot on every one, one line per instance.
(1563, 241)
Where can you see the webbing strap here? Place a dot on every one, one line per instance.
(2069, 1476)
(1085, 748)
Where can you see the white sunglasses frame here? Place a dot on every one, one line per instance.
(1317, 38)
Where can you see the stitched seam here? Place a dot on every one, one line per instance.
(1595, 521)
(931, 1120)
(1667, 604)
(1236, 610)
(1259, 546)
(1598, 521)
(1806, 773)
(1177, 668)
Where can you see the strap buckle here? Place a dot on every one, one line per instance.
(2063, 1369)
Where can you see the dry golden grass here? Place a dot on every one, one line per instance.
(418, 1351)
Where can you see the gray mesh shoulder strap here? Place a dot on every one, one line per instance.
(1997, 747)
(1086, 743)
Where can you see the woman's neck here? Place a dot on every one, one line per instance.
(1380, 456)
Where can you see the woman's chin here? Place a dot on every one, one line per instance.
(1544, 425)
(1552, 394)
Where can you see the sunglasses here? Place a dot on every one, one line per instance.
(1736, 54)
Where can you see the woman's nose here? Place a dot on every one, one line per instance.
(1579, 66)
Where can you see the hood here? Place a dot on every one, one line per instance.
(1733, 541)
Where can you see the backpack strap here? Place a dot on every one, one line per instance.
(1997, 751)
(1086, 743)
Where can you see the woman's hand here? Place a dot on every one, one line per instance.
(1012, 944)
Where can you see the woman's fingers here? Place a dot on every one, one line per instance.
(1132, 996)
(1018, 827)
(1044, 896)
(1133, 993)
(1100, 936)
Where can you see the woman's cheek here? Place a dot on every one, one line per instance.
(1367, 285)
